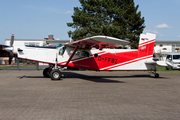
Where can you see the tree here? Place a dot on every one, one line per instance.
(115, 18)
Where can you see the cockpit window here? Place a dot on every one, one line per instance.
(62, 50)
(85, 54)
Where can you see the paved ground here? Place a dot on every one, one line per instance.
(89, 95)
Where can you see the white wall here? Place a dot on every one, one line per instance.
(22, 42)
(165, 48)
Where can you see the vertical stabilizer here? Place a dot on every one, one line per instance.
(146, 45)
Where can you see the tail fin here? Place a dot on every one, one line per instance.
(146, 44)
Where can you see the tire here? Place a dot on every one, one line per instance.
(55, 74)
(156, 75)
(46, 72)
(167, 68)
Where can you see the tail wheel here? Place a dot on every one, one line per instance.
(55, 74)
(156, 75)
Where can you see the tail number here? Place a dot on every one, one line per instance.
(107, 59)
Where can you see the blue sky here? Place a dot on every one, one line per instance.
(35, 19)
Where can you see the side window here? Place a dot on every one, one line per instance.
(85, 54)
(77, 52)
(62, 50)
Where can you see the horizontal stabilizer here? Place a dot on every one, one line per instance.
(161, 63)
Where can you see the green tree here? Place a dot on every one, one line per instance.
(115, 18)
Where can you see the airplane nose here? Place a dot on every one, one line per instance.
(8, 49)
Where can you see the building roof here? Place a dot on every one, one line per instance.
(25, 39)
(168, 42)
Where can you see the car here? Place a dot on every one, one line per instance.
(173, 61)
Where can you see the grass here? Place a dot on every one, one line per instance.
(14, 67)
(159, 68)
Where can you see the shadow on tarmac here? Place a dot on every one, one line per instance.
(99, 79)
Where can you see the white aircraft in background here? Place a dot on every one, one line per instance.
(93, 53)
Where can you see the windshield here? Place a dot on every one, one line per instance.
(58, 45)
(176, 57)
(62, 50)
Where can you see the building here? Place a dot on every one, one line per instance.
(162, 48)
(35, 42)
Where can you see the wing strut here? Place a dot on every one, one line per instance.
(72, 55)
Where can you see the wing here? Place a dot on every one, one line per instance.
(98, 42)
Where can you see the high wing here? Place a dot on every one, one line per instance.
(98, 42)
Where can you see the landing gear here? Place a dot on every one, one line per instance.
(46, 72)
(153, 71)
(51, 72)
(55, 74)
(156, 75)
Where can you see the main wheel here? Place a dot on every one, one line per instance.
(156, 75)
(55, 74)
(46, 72)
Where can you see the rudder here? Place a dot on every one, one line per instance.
(146, 45)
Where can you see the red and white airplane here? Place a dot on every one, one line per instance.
(93, 53)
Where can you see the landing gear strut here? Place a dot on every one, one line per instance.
(51, 72)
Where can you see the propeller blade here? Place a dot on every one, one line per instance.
(10, 57)
(12, 40)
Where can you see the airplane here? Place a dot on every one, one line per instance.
(93, 53)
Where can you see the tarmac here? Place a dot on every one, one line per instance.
(89, 95)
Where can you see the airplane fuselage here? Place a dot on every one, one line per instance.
(94, 59)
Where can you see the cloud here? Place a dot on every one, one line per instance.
(68, 12)
(179, 36)
(153, 31)
(164, 25)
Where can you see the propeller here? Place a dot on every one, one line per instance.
(10, 49)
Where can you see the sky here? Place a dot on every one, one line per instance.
(36, 19)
